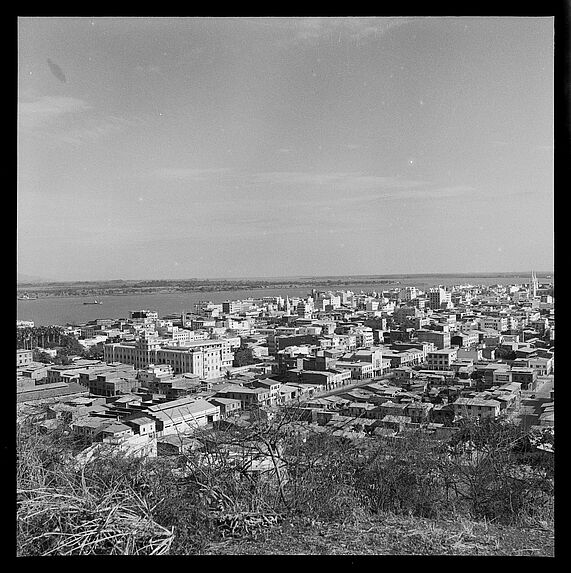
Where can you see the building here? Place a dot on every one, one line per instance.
(372, 355)
(228, 406)
(34, 371)
(182, 416)
(29, 391)
(441, 359)
(439, 339)
(328, 379)
(90, 427)
(273, 386)
(90, 373)
(464, 339)
(151, 376)
(420, 412)
(23, 357)
(111, 384)
(144, 315)
(207, 359)
(408, 293)
(249, 397)
(527, 377)
(141, 425)
(498, 323)
(359, 370)
(439, 298)
(476, 407)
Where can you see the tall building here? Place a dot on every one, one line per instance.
(408, 293)
(438, 296)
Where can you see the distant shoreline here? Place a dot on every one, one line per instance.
(272, 280)
(132, 287)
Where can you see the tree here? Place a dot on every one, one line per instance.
(70, 345)
(94, 352)
(505, 353)
(41, 356)
(244, 356)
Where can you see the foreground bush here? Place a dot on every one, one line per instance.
(126, 505)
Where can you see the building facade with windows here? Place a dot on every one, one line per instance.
(206, 358)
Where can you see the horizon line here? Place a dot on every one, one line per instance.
(305, 277)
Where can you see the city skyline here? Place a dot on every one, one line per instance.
(164, 148)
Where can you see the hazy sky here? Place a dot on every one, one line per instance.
(226, 147)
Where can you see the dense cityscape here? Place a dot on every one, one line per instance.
(367, 367)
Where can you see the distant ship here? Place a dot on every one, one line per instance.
(93, 302)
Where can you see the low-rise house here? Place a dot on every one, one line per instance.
(272, 386)
(34, 371)
(67, 413)
(109, 384)
(392, 422)
(403, 374)
(306, 390)
(358, 395)
(359, 370)
(506, 401)
(115, 430)
(527, 377)
(179, 387)
(182, 416)
(24, 357)
(390, 408)
(542, 365)
(487, 371)
(90, 373)
(175, 444)
(89, 428)
(476, 407)
(324, 403)
(326, 379)
(27, 391)
(70, 372)
(249, 397)
(473, 353)
(372, 355)
(441, 359)
(359, 409)
(525, 351)
(443, 414)
(228, 406)
(547, 416)
(288, 393)
(502, 377)
(141, 425)
(420, 412)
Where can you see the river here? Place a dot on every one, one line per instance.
(71, 310)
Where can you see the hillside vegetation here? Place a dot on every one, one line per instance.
(485, 491)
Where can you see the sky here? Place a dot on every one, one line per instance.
(166, 148)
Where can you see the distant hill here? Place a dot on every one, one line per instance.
(22, 278)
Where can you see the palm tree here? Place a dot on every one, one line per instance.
(54, 334)
(42, 333)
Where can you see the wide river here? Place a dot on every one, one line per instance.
(71, 310)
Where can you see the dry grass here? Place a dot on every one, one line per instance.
(54, 522)
(129, 506)
(392, 535)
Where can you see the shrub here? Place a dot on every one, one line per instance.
(120, 504)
